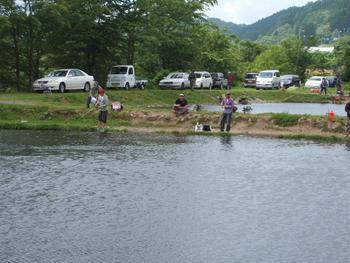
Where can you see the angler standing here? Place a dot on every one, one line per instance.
(102, 105)
(228, 106)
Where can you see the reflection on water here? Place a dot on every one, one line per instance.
(84, 197)
(291, 108)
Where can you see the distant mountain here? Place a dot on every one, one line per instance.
(324, 18)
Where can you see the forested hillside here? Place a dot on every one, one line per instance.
(156, 36)
(325, 19)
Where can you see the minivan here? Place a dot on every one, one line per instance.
(268, 79)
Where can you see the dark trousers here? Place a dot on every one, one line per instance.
(323, 89)
(226, 119)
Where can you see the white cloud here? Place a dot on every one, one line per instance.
(250, 11)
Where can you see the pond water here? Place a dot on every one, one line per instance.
(85, 197)
(291, 108)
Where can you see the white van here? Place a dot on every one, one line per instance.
(268, 79)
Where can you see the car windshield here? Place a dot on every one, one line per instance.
(288, 77)
(177, 76)
(315, 79)
(198, 75)
(119, 70)
(58, 73)
(266, 75)
(250, 76)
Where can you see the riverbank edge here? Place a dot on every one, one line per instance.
(282, 126)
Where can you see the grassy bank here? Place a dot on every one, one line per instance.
(147, 121)
(161, 99)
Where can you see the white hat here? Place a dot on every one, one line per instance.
(182, 95)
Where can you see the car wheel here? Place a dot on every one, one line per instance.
(127, 86)
(87, 87)
(201, 86)
(62, 88)
(210, 86)
(142, 86)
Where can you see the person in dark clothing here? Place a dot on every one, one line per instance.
(181, 105)
(347, 109)
(192, 79)
(229, 80)
(324, 86)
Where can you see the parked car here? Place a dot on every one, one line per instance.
(332, 80)
(123, 76)
(175, 80)
(203, 80)
(219, 80)
(290, 80)
(268, 79)
(250, 80)
(65, 79)
(314, 82)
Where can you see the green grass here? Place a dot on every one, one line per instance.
(160, 99)
(285, 120)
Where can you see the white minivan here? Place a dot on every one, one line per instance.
(203, 80)
(268, 79)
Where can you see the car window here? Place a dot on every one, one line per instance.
(250, 76)
(58, 73)
(131, 71)
(78, 73)
(206, 75)
(266, 75)
(177, 76)
(119, 70)
(315, 79)
(71, 73)
(278, 74)
(198, 75)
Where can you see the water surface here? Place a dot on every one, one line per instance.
(84, 197)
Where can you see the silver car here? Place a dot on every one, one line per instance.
(175, 80)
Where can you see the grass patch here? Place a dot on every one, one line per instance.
(285, 120)
(314, 138)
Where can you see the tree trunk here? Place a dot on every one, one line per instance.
(15, 37)
(131, 49)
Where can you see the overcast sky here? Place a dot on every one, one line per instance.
(250, 11)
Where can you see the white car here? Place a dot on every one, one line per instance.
(268, 79)
(203, 80)
(314, 82)
(65, 79)
(176, 80)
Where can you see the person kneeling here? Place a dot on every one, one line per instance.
(181, 105)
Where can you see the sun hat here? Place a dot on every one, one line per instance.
(182, 95)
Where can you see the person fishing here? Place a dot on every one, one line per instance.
(102, 105)
(347, 109)
(228, 107)
(181, 105)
